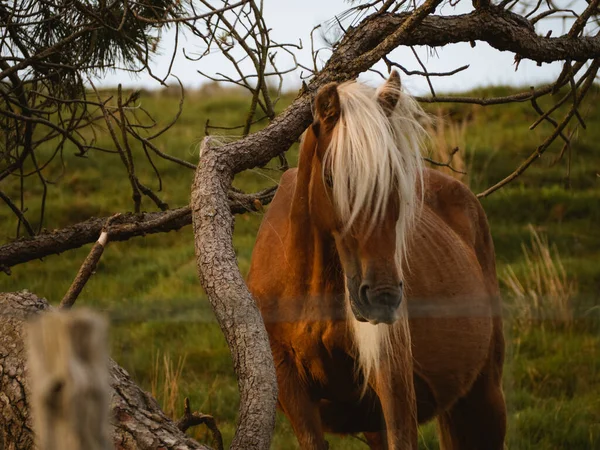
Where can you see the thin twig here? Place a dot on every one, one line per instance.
(87, 268)
(192, 419)
(550, 139)
(18, 213)
(448, 163)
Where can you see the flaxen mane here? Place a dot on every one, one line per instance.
(372, 156)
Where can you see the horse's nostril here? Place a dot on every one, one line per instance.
(364, 293)
(388, 297)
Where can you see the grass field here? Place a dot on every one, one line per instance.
(163, 330)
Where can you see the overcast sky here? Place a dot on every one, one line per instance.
(292, 20)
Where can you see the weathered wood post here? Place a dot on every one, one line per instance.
(68, 372)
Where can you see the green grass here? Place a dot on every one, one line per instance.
(149, 287)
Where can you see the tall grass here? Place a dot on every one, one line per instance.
(165, 381)
(447, 144)
(543, 291)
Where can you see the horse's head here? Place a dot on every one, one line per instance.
(362, 188)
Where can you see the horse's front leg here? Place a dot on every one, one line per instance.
(394, 386)
(301, 409)
(398, 403)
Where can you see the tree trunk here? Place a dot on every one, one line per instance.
(137, 421)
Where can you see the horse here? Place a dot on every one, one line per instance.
(376, 280)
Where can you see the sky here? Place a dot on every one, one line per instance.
(293, 20)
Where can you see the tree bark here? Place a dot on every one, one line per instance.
(137, 421)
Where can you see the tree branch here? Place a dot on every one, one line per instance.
(192, 419)
(17, 212)
(503, 30)
(88, 267)
(537, 153)
(123, 228)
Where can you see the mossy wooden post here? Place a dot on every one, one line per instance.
(68, 370)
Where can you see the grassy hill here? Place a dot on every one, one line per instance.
(163, 331)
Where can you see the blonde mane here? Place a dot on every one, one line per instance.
(372, 156)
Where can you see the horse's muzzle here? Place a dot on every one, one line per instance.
(378, 304)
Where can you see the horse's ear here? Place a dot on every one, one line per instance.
(389, 93)
(327, 108)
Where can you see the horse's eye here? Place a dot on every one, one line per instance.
(329, 180)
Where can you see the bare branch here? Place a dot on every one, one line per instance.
(447, 163)
(544, 146)
(17, 212)
(88, 267)
(192, 419)
(124, 227)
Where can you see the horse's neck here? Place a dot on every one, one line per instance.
(316, 261)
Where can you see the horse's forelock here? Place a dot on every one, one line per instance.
(372, 156)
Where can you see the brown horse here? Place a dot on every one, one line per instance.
(356, 228)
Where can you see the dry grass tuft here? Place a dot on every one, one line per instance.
(165, 383)
(543, 292)
(445, 137)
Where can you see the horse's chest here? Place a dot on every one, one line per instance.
(320, 352)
